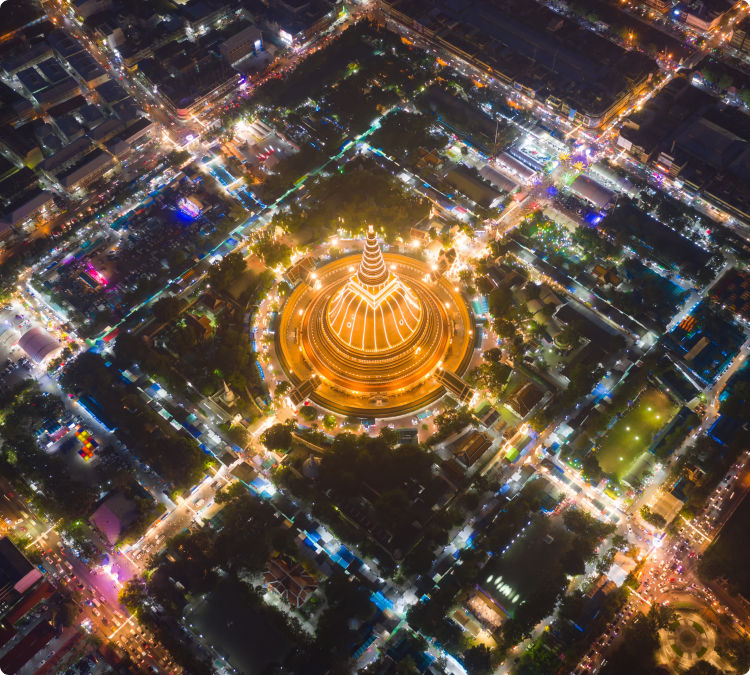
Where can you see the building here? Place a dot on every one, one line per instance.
(290, 580)
(593, 192)
(604, 171)
(136, 131)
(86, 8)
(479, 191)
(111, 32)
(28, 58)
(17, 184)
(741, 35)
(201, 326)
(110, 92)
(53, 72)
(67, 157)
(191, 90)
(660, 6)
(472, 447)
(200, 15)
(301, 271)
(455, 386)
(296, 29)
(524, 399)
(514, 166)
(17, 575)
(67, 107)
(572, 71)
(373, 332)
(64, 44)
(248, 41)
(25, 208)
(107, 130)
(21, 143)
(297, 396)
(88, 70)
(92, 117)
(57, 94)
(498, 180)
(39, 345)
(88, 170)
(32, 81)
(703, 16)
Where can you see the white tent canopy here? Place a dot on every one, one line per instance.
(39, 344)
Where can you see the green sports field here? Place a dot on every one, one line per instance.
(633, 433)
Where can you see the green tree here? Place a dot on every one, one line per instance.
(573, 563)
(273, 253)
(308, 413)
(736, 652)
(653, 518)
(278, 436)
(478, 660)
(229, 492)
(282, 388)
(166, 308)
(178, 157)
(133, 595)
(223, 272)
(68, 613)
(725, 81)
(183, 340)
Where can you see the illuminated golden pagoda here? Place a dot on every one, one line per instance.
(375, 312)
(373, 329)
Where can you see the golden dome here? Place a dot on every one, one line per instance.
(375, 312)
(373, 328)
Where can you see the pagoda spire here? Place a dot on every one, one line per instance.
(372, 269)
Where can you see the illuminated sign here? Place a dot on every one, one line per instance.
(285, 37)
(190, 206)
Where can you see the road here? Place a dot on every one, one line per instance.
(99, 611)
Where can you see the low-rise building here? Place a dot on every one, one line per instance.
(193, 91)
(68, 156)
(58, 93)
(28, 58)
(703, 16)
(87, 171)
(88, 70)
(25, 208)
(20, 142)
(32, 81)
(64, 44)
(52, 70)
(593, 192)
(472, 447)
(290, 580)
(110, 92)
(248, 41)
(86, 8)
(200, 15)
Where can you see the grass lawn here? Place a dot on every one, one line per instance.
(701, 652)
(634, 432)
(698, 627)
(677, 650)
